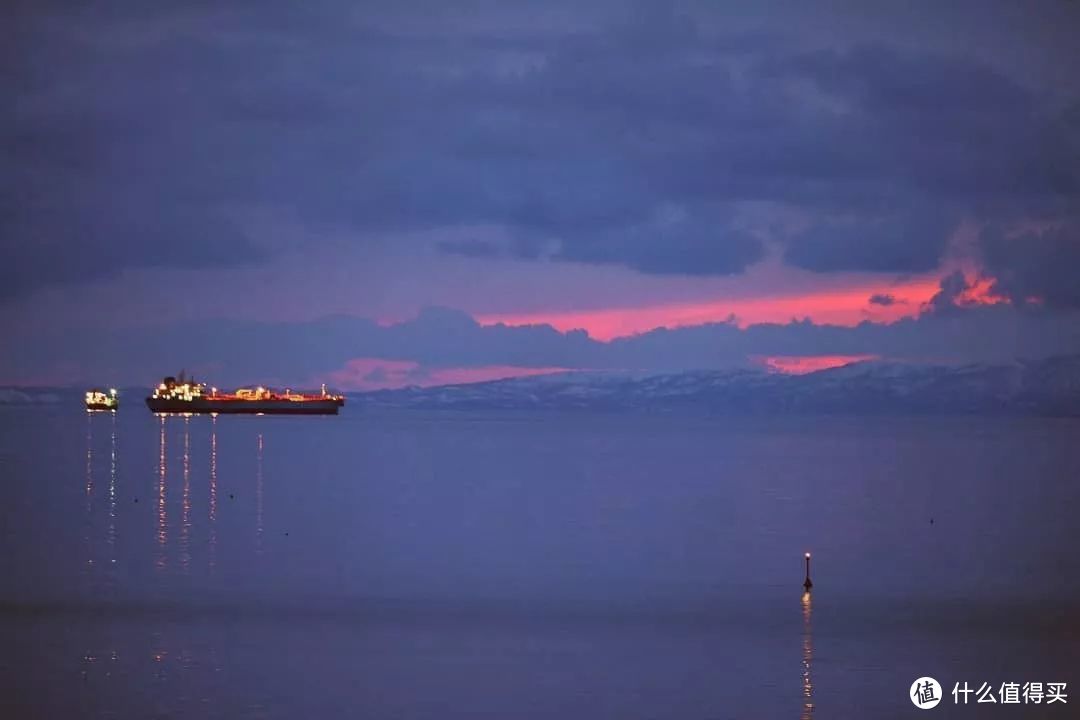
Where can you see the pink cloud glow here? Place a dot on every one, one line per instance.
(837, 306)
(845, 306)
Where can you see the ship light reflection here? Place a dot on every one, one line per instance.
(213, 492)
(162, 517)
(185, 505)
(259, 497)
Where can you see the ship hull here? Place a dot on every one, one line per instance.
(245, 407)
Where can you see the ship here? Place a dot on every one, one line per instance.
(180, 395)
(100, 400)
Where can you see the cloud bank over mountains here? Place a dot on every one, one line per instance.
(445, 346)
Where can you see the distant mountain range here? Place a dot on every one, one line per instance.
(33, 396)
(1045, 387)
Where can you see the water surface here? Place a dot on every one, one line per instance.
(425, 565)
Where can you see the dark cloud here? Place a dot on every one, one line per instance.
(1035, 266)
(882, 299)
(947, 298)
(66, 241)
(671, 243)
(906, 244)
(140, 137)
(946, 128)
(676, 248)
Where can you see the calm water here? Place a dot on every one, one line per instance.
(416, 565)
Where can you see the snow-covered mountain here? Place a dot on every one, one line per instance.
(1039, 387)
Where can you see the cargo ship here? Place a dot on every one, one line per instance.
(99, 400)
(180, 395)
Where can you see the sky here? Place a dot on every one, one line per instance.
(378, 194)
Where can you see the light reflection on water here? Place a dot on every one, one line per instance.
(212, 506)
(111, 534)
(162, 513)
(259, 496)
(100, 572)
(88, 492)
(807, 658)
(185, 503)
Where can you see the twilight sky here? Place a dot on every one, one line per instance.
(382, 193)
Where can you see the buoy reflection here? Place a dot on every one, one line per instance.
(807, 658)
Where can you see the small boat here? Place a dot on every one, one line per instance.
(100, 400)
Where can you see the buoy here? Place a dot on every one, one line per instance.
(807, 584)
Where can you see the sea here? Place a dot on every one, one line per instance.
(470, 564)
